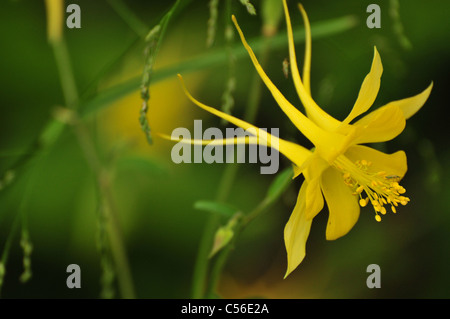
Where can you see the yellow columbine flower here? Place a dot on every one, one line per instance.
(348, 175)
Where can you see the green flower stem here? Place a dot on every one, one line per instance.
(399, 31)
(68, 85)
(219, 264)
(153, 44)
(200, 282)
(29, 178)
(277, 188)
(6, 250)
(201, 264)
(88, 147)
(223, 255)
(129, 17)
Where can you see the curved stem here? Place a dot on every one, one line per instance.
(89, 150)
(201, 268)
(201, 264)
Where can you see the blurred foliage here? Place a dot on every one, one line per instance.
(155, 198)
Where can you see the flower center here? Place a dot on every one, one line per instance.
(380, 188)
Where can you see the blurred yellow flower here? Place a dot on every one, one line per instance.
(347, 174)
(120, 120)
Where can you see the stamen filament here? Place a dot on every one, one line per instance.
(381, 189)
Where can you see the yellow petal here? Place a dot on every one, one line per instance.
(293, 113)
(380, 125)
(411, 105)
(307, 58)
(319, 116)
(313, 175)
(296, 232)
(320, 138)
(295, 153)
(297, 171)
(343, 207)
(300, 169)
(314, 198)
(369, 89)
(392, 164)
(220, 141)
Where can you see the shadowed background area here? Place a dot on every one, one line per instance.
(155, 198)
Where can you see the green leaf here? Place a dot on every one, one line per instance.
(140, 164)
(50, 133)
(223, 209)
(280, 183)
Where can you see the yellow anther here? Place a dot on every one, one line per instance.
(382, 188)
(362, 202)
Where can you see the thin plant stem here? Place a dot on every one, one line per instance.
(88, 147)
(202, 262)
(68, 85)
(223, 255)
(129, 17)
(217, 268)
(153, 42)
(7, 248)
(277, 188)
(29, 180)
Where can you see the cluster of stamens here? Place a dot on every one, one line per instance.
(380, 188)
